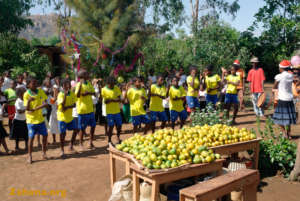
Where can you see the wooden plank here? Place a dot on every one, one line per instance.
(222, 185)
(249, 193)
(256, 157)
(236, 147)
(155, 191)
(136, 187)
(112, 162)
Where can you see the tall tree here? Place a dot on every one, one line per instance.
(210, 9)
(12, 15)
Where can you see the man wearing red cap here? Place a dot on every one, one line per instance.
(256, 77)
(285, 113)
(241, 88)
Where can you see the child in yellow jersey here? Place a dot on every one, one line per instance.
(35, 101)
(231, 98)
(177, 95)
(66, 101)
(85, 107)
(157, 93)
(137, 97)
(111, 95)
(212, 85)
(193, 88)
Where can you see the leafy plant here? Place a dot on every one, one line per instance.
(276, 152)
(209, 116)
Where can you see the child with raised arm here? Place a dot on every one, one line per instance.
(66, 101)
(85, 107)
(35, 101)
(137, 97)
(111, 95)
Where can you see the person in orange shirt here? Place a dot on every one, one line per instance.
(241, 87)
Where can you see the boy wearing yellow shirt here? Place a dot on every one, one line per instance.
(66, 101)
(157, 93)
(137, 96)
(85, 107)
(231, 98)
(111, 95)
(212, 85)
(193, 88)
(34, 102)
(177, 95)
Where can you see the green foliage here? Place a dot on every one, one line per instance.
(51, 41)
(276, 152)
(217, 44)
(12, 15)
(209, 116)
(19, 56)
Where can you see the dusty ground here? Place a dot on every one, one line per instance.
(84, 176)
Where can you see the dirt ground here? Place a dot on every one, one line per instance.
(84, 176)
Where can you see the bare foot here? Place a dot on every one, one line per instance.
(39, 145)
(62, 154)
(9, 152)
(81, 148)
(91, 146)
(29, 160)
(44, 157)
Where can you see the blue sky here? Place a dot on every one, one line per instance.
(242, 21)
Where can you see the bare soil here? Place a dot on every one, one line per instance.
(84, 176)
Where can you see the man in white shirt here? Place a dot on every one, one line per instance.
(7, 81)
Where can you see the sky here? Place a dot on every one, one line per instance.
(243, 20)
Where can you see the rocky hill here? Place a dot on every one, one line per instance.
(44, 27)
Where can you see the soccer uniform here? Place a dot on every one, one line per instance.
(137, 110)
(35, 120)
(212, 82)
(11, 99)
(231, 91)
(65, 117)
(85, 106)
(156, 103)
(113, 113)
(176, 106)
(192, 93)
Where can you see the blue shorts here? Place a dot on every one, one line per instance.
(162, 116)
(63, 126)
(39, 129)
(114, 119)
(137, 120)
(231, 98)
(211, 99)
(85, 120)
(182, 115)
(192, 102)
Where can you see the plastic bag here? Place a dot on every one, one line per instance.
(122, 190)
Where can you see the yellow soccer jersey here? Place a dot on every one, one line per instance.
(65, 116)
(192, 91)
(232, 89)
(136, 102)
(212, 82)
(176, 105)
(35, 117)
(156, 104)
(107, 93)
(84, 104)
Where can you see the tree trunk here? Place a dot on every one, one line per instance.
(295, 174)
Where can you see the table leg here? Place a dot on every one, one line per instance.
(136, 186)
(127, 167)
(250, 192)
(155, 191)
(112, 162)
(256, 157)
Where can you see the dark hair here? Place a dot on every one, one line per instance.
(210, 67)
(160, 76)
(135, 79)
(193, 68)
(81, 73)
(19, 91)
(65, 81)
(30, 79)
(175, 78)
(110, 80)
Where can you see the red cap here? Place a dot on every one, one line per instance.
(236, 62)
(285, 64)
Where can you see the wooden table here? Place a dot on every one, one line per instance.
(240, 146)
(155, 179)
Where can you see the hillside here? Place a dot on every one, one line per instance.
(44, 27)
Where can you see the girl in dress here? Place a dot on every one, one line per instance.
(19, 129)
(285, 114)
(53, 123)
